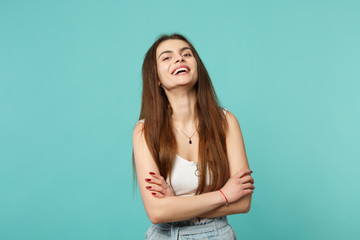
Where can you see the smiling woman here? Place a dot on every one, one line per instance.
(184, 72)
(189, 153)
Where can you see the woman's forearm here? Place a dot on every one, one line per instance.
(240, 206)
(171, 209)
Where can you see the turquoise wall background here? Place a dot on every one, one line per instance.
(70, 88)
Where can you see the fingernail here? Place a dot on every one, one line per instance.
(147, 179)
(152, 173)
(148, 187)
(153, 193)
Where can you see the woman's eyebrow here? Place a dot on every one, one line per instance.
(168, 51)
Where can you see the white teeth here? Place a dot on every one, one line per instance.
(180, 69)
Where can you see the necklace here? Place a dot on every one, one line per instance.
(190, 142)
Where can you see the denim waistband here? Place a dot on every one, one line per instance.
(192, 225)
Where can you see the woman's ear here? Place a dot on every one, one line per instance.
(159, 83)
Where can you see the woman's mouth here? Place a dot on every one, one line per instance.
(181, 70)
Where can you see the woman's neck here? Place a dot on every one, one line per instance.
(183, 106)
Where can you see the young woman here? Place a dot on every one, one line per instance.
(189, 153)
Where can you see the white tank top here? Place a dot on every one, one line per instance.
(184, 177)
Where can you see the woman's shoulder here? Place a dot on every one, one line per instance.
(139, 126)
(230, 117)
(227, 113)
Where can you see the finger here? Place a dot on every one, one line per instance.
(247, 178)
(154, 181)
(243, 172)
(157, 195)
(248, 186)
(247, 192)
(160, 178)
(169, 191)
(154, 185)
(157, 176)
(156, 188)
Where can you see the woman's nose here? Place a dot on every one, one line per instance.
(179, 58)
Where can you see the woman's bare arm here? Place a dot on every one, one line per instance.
(173, 208)
(237, 161)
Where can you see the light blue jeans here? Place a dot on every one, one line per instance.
(195, 228)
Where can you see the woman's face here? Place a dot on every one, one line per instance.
(176, 64)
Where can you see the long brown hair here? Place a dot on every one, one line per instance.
(158, 131)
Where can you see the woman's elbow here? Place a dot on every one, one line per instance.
(154, 219)
(247, 208)
(243, 209)
(156, 216)
(246, 205)
(159, 210)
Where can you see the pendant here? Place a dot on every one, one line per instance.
(197, 170)
(190, 142)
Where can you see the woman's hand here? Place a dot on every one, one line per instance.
(158, 186)
(239, 185)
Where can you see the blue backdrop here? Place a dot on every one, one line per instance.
(70, 91)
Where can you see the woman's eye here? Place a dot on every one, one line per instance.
(187, 55)
(166, 58)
